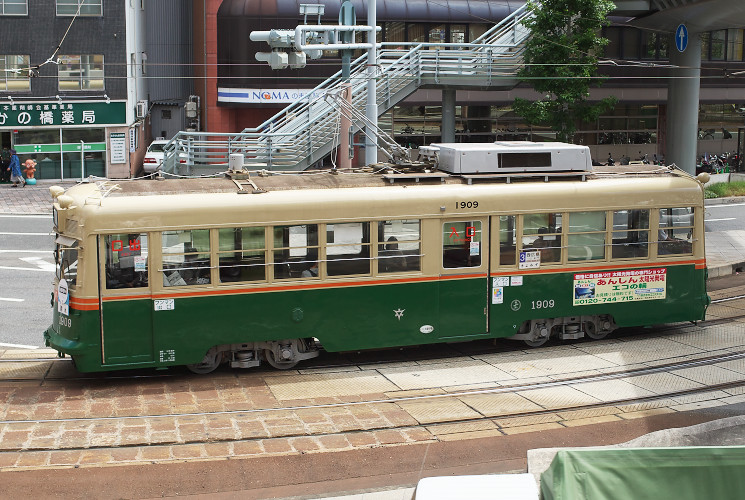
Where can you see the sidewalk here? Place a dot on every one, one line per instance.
(725, 250)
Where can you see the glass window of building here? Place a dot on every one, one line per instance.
(458, 33)
(476, 30)
(734, 44)
(416, 32)
(86, 7)
(81, 72)
(395, 31)
(13, 7)
(718, 40)
(399, 246)
(186, 257)
(14, 73)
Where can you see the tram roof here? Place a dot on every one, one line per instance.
(293, 198)
(325, 179)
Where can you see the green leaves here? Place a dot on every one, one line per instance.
(561, 62)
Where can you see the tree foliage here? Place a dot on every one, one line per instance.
(561, 59)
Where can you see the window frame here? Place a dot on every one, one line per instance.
(70, 8)
(23, 66)
(4, 3)
(86, 72)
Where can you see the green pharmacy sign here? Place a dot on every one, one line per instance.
(62, 114)
(57, 148)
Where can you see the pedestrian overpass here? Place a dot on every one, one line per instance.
(307, 131)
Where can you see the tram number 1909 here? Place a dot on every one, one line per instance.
(543, 304)
(466, 204)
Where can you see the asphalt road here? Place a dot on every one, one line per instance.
(26, 274)
(725, 217)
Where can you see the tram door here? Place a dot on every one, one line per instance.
(464, 278)
(126, 302)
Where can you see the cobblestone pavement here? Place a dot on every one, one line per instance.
(72, 420)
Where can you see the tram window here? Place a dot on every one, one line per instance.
(586, 239)
(675, 233)
(399, 247)
(542, 232)
(461, 244)
(507, 240)
(630, 234)
(67, 267)
(348, 248)
(126, 260)
(186, 257)
(242, 254)
(296, 251)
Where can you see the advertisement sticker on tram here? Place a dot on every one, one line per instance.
(619, 286)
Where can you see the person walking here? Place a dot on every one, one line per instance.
(4, 164)
(16, 177)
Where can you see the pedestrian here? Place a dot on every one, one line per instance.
(4, 164)
(16, 177)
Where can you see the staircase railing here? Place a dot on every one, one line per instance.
(306, 131)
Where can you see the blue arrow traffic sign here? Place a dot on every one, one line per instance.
(681, 37)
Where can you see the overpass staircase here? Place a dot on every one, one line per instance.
(307, 130)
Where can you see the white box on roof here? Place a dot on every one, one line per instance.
(513, 156)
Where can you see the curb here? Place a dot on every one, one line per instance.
(724, 201)
(726, 269)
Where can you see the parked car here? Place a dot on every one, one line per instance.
(154, 156)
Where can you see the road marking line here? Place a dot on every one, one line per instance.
(11, 300)
(724, 205)
(27, 234)
(24, 216)
(38, 262)
(21, 346)
(27, 251)
(717, 220)
(11, 268)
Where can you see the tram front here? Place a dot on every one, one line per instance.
(74, 316)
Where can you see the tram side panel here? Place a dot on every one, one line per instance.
(638, 296)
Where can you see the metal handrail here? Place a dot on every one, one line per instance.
(304, 131)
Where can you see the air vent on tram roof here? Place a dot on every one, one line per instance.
(512, 156)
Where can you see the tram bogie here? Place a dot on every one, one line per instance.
(191, 272)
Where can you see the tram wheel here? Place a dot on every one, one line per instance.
(208, 365)
(593, 332)
(278, 364)
(295, 346)
(537, 342)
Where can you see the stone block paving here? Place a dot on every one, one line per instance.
(80, 422)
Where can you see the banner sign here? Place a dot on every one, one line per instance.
(56, 114)
(619, 286)
(265, 96)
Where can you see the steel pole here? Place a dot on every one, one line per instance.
(371, 108)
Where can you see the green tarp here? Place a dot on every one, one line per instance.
(695, 473)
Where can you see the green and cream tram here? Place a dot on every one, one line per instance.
(203, 271)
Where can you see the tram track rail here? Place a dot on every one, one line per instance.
(493, 391)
